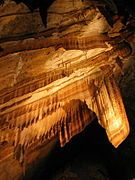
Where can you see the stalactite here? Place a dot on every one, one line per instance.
(123, 50)
(65, 112)
(31, 117)
(68, 42)
(74, 122)
(110, 110)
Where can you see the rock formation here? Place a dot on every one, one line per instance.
(55, 80)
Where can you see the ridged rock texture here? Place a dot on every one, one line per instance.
(54, 81)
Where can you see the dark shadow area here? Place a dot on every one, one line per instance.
(89, 156)
(42, 5)
(124, 8)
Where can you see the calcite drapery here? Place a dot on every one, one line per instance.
(105, 100)
(47, 85)
(109, 108)
(46, 113)
(36, 112)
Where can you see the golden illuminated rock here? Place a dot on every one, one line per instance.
(54, 81)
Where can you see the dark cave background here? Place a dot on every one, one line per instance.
(90, 156)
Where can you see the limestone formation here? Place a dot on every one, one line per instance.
(54, 81)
